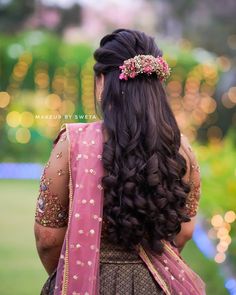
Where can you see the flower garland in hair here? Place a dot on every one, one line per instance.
(144, 64)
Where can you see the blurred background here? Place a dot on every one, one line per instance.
(46, 79)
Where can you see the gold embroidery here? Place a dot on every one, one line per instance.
(60, 172)
(63, 137)
(193, 197)
(49, 211)
(195, 191)
(59, 155)
(66, 264)
(154, 271)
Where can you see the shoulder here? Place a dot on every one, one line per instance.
(191, 158)
(188, 153)
(185, 141)
(82, 125)
(60, 135)
(71, 129)
(187, 148)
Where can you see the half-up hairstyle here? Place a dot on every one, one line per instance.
(144, 191)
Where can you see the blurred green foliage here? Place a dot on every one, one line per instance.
(218, 174)
(31, 63)
(44, 47)
(42, 50)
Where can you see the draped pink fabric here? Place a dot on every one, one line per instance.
(171, 271)
(78, 268)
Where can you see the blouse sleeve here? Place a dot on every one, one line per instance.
(194, 181)
(53, 200)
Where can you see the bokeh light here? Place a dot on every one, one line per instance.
(220, 257)
(53, 101)
(214, 134)
(67, 107)
(232, 94)
(224, 63)
(222, 247)
(13, 118)
(227, 101)
(217, 220)
(4, 99)
(230, 216)
(27, 119)
(23, 135)
(222, 232)
(207, 104)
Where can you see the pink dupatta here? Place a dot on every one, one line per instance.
(78, 267)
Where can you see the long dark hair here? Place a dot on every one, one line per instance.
(144, 193)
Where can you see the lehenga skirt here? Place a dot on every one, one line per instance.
(123, 272)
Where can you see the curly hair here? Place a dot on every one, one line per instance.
(144, 191)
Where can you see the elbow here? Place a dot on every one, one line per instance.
(43, 247)
(184, 235)
(180, 241)
(188, 235)
(45, 242)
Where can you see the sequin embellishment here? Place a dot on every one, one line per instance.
(195, 189)
(49, 211)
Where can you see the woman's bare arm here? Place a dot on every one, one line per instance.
(186, 233)
(51, 214)
(49, 242)
(194, 179)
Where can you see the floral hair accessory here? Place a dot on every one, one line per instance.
(144, 64)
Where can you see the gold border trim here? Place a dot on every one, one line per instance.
(192, 274)
(182, 263)
(154, 271)
(66, 264)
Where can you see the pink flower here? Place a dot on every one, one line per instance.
(144, 64)
(122, 76)
(147, 69)
(132, 75)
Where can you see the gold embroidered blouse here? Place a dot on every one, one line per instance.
(52, 202)
(193, 177)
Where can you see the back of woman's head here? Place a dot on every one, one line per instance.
(144, 193)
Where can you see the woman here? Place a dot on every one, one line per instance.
(118, 197)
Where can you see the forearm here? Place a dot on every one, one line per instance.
(49, 242)
(180, 242)
(185, 234)
(49, 257)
